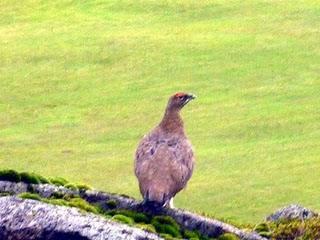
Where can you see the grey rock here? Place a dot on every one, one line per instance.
(22, 219)
(190, 221)
(291, 212)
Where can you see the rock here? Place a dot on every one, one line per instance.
(187, 220)
(291, 212)
(33, 220)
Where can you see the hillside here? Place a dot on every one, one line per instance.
(82, 81)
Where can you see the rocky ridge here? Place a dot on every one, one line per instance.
(207, 227)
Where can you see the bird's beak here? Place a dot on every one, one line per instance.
(191, 96)
(188, 98)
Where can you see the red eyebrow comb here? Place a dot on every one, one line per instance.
(179, 94)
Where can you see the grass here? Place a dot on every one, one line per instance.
(82, 81)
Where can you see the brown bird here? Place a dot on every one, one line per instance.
(164, 158)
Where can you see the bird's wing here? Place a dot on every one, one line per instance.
(163, 165)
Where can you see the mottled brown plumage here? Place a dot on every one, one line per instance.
(164, 158)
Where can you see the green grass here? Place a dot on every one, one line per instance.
(82, 81)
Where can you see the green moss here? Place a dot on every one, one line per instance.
(59, 202)
(123, 219)
(42, 180)
(71, 186)
(296, 229)
(167, 225)
(29, 178)
(261, 227)
(59, 181)
(136, 216)
(83, 187)
(140, 217)
(82, 204)
(166, 236)
(228, 236)
(27, 195)
(265, 234)
(166, 220)
(191, 234)
(9, 175)
(111, 203)
(146, 227)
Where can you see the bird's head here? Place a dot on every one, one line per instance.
(179, 100)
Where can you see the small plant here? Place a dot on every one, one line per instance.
(140, 217)
(42, 180)
(83, 187)
(228, 236)
(123, 219)
(136, 216)
(27, 195)
(59, 181)
(59, 202)
(263, 230)
(166, 236)
(261, 227)
(166, 224)
(191, 235)
(29, 178)
(146, 227)
(82, 204)
(9, 175)
(71, 186)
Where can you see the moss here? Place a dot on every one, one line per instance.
(59, 202)
(59, 181)
(82, 204)
(29, 178)
(228, 236)
(166, 224)
(265, 234)
(27, 195)
(166, 220)
(123, 219)
(261, 227)
(296, 229)
(42, 180)
(9, 175)
(140, 217)
(136, 216)
(146, 227)
(71, 186)
(191, 234)
(83, 187)
(111, 204)
(166, 236)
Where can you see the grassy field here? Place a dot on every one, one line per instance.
(82, 81)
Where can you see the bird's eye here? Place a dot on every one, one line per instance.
(181, 97)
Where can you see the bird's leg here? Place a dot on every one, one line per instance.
(170, 205)
(145, 197)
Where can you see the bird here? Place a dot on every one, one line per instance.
(164, 158)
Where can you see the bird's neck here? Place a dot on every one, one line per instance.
(172, 121)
